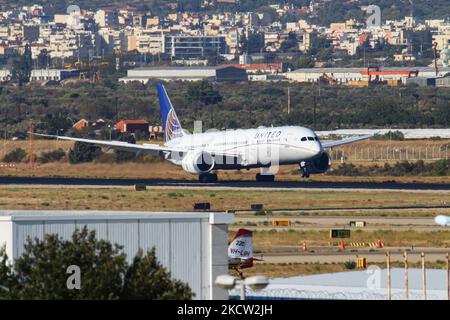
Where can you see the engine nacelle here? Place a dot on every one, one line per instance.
(320, 164)
(198, 162)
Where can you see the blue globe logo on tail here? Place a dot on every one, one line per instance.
(171, 124)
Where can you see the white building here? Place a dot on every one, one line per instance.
(5, 75)
(53, 74)
(196, 73)
(345, 75)
(192, 246)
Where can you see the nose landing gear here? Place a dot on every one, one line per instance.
(304, 170)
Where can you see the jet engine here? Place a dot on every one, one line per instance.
(319, 164)
(198, 162)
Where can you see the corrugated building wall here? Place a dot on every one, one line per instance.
(193, 246)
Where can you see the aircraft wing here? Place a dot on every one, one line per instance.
(154, 149)
(336, 143)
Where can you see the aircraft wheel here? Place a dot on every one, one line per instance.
(264, 178)
(208, 178)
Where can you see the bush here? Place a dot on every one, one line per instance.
(17, 155)
(52, 156)
(391, 135)
(440, 168)
(83, 152)
(121, 155)
(260, 213)
(350, 265)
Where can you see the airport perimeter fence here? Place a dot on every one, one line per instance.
(393, 153)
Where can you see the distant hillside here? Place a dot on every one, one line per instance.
(340, 10)
(329, 11)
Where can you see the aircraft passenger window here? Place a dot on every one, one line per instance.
(310, 138)
(304, 139)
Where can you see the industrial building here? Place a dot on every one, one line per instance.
(348, 75)
(218, 74)
(53, 74)
(193, 47)
(443, 82)
(192, 246)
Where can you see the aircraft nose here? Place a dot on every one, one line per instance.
(316, 148)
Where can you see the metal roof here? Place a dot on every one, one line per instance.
(31, 215)
(181, 68)
(362, 69)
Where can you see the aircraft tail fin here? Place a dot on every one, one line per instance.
(171, 124)
(241, 248)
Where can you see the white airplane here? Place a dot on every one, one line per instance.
(442, 220)
(204, 153)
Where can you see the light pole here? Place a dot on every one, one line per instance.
(228, 282)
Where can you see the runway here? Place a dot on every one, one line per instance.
(325, 223)
(244, 184)
(378, 256)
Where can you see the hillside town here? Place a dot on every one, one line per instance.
(74, 44)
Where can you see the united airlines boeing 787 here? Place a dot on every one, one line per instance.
(204, 153)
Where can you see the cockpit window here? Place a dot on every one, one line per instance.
(316, 138)
(304, 139)
(310, 138)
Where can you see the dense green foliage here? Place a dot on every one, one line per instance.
(51, 156)
(83, 152)
(125, 155)
(391, 135)
(330, 11)
(245, 105)
(41, 271)
(16, 155)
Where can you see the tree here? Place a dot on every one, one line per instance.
(5, 273)
(125, 155)
(146, 277)
(43, 59)
(303, 62)
(290, 44)
(16, 155)
(41, 271)
(204, 93)
(21, 68)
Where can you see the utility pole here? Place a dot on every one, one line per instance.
(31, 147)
(289, 100)
(314, 112)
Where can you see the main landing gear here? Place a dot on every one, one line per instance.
(304, 170)
(265, 177)
(207, 178)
